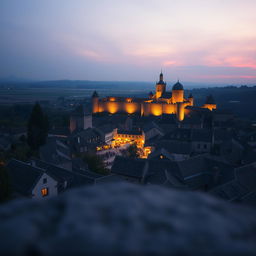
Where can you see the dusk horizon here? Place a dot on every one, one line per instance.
(194, 41)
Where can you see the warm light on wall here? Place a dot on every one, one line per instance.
(130, 108)
(209, 106)
(112, 107)
(112, 99)
(168, 108)
(128, 100)
(156, 109)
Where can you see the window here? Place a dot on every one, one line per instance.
(44, 192)
(45, 180)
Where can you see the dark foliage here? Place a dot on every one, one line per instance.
(37, 128)
(132, 151)
(95, 163)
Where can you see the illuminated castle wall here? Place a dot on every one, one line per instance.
(162, 102)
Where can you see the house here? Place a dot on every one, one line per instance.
(172, 150)
(66, 178)
(30, 181)
(107, 133)
(85, 140)
(200, 139)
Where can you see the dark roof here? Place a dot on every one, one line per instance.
(201, 135)
(246, 176)
(95, 95)
(210, 100)
(160, 152)
(192, 120)
(149, 126)
(106, 128)
(177, 86)
(242, 188)
(190, 95)
(128, 167)
(184, 134)
(208, 165)
(163, 172)
(85, 136)
(62, 175)
(178, 134)
(23, 177)
(230, 191)
(130, 132)
(175, 147)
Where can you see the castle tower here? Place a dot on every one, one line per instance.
(79, 120)
(180, 111)
(177, 92)
(191, 99)
(210, 103)
(95, 102)
(160, 86)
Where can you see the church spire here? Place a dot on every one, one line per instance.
(161, 77)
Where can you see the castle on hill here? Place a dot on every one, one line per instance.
(158, 103)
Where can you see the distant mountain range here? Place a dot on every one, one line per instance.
(12, 80)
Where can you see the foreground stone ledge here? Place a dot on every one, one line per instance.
(125, 218)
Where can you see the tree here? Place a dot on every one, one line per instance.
(95, 163)
(132, 151)
(37, 128)
(4, 185)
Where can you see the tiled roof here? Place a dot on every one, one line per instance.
(128, 167)
(23, 177)
(175, 147)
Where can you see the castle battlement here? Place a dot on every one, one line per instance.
(158, 103)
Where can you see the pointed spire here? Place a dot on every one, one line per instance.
(161, 77)
(95, 95)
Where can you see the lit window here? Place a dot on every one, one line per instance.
(161, 156)
(44, 192)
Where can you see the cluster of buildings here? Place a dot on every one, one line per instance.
(180, 146)
(158, 103)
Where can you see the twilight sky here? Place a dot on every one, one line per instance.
(194, 40)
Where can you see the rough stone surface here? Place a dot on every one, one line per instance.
(124, 218)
